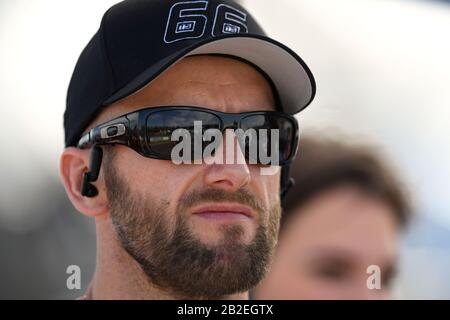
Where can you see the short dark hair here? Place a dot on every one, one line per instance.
(324, 163)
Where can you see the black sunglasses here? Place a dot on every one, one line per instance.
(149, 131)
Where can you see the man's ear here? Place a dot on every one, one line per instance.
(74, 163)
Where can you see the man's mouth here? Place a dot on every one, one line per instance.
(224, 212)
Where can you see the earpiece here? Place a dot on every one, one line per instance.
(87, 188)
(286, 181)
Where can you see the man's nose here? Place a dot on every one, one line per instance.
(232, 172)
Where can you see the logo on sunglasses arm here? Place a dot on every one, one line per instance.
(256, 143)
(188, 20)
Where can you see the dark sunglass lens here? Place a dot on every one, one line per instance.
(162, 136)
(263, 125)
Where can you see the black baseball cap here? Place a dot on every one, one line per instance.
(139, 39)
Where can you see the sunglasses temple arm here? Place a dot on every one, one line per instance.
(85, 141)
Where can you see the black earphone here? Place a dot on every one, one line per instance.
(87, 188)
(286, 182)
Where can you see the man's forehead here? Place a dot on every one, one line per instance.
(203, 81)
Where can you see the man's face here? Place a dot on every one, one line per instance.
(184, 224)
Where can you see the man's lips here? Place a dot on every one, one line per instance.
(224, 211)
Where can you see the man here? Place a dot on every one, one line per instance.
(339, 235)
(167, 230)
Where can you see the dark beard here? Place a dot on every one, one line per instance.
(171, 255)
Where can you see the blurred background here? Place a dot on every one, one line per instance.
(383, 76)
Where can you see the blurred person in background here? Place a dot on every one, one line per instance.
(344, 214)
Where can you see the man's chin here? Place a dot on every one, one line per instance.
(224, 234)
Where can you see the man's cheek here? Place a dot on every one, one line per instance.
(272, 188)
